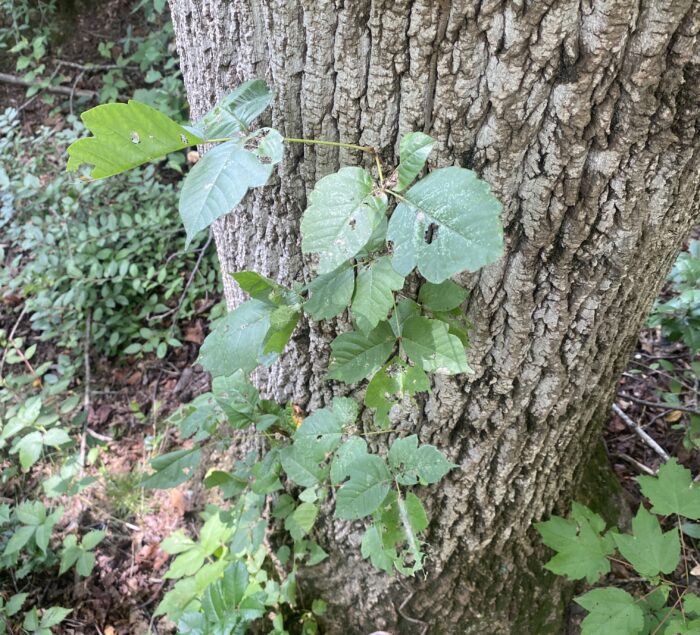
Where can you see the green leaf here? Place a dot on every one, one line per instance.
(31, 513)
(85, 564)
(649, 550)
(29, 448)
(172, 468)
(237, 341)
(405, 309)
(70, 554)
(220, 180)
(283, 321)
(330, 293)
(415, 511)
(301, 463)
(299, 523)
(374, 293)
(18, 539)
(413, 150)
(672, 492)
(372, 547)
(448, 222)
(235, 112)
(612, 611)
(177, 542)
(322, 430)
(445, 296)
(125, 136)
(259, 287)
(429, 344)
(355, 356)
(582, 552)
(92, 539)
(14, 604)
(390, 384)
(56, 437)
(342, 214)
(411, 463)
(348, 454)
(54, 615)
(366, 490)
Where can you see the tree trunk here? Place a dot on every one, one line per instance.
(584, 118)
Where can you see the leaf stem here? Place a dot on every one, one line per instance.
(379, 168)
(337, 144)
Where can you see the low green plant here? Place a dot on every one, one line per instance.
(75, 251)
(364, 233)
(585, 550)
(679, 316)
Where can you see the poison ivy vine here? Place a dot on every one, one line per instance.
(364, 233)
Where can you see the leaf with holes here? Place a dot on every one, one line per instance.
(367, 488)
(355, 356)
(220, 179)
(430, 344)
(411, 464)
(342, 215)
(126, 136)
(235, 112)
(446, 223)
(413, 150)
(390, 384)
(374, 293)
(330, 293)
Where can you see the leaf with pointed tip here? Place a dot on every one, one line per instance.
(582, 552)
(237, 341)
(390, 384)
(367, 488)
(172, 468)
(220, 179)
(411, 463)
(348, 454)
(611, 612)
(126, 136)
(301, 464)
(374, 293)
(429, 344)
(373, 548)
(342, 215)
(672, 491)
(649, 550)
(446, 223)
(235, 112)
(283, 321)
(413, 150)
(256, 286)
(355, 355)
(445, 296)
(330, 293)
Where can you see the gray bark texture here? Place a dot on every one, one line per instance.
(584, 117)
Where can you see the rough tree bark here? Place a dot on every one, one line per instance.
(584, 118)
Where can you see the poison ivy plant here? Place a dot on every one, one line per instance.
(364, 234)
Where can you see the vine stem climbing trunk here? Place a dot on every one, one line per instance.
(584, 118)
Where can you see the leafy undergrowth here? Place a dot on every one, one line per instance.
(658, 392)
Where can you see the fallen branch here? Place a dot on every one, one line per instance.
(656, 404)
(639, 431)
(5, 78)
(640, 466)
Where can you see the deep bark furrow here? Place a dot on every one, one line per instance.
(584, 118)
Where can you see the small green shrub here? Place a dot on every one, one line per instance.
(114, 249)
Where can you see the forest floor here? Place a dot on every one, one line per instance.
(130, 403)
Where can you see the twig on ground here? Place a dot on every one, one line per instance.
(6, 78)
(639, 431)
(640, 466)
(656, 404)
